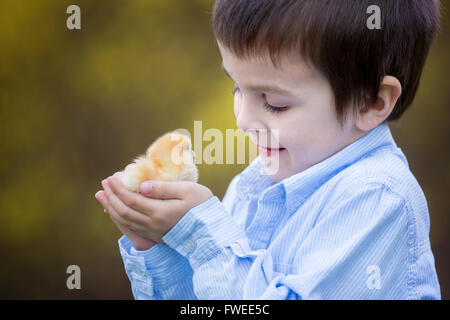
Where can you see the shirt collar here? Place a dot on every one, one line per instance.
(253, 180)
(296, 188)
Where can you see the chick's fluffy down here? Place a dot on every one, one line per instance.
(169, 158)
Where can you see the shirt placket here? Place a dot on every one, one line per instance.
(266, 220)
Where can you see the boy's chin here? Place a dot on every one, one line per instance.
(273, 168)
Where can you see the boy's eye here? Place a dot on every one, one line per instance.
(273, 109)
(267, 106)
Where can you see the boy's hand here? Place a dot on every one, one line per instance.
(152, 214)
(139, 243)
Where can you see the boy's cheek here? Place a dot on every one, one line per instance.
(237, 106)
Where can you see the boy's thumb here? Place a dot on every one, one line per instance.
(165, 189)
(146, 187)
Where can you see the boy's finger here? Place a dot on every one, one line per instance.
(121, 209)
(115, 217)
(133, 200)
(158, 189)
(101, 197)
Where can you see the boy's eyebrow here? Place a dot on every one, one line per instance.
(274, 89)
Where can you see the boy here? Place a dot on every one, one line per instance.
(343, 217)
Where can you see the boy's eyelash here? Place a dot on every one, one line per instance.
(267, 106)
(274, 109)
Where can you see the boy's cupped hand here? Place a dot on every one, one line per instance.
(147, 216)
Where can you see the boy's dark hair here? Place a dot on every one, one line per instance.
(333, 36)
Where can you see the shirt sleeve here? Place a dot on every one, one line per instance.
(159, 273)
(362, 247)
(212, 241)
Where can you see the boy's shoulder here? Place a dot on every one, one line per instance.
(384, 171)
(386, 168)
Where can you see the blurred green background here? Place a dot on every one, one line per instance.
(78, 105)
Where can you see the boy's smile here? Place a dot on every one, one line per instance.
(294, 101)
(268, 152)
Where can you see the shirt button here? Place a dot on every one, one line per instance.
(189, 246)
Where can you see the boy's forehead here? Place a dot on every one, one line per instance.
(288, 73)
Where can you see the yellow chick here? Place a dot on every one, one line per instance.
(169, 158)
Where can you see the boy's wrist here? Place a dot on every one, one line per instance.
(198, 236)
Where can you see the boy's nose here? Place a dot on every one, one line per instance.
(247, 118)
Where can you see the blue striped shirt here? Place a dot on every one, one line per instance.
(354, 226)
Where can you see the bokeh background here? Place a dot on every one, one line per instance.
(78, 105)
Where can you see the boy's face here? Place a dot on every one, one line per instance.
(309, 131)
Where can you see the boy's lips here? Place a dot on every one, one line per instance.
(269, 151)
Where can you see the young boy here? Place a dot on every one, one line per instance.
(343, 217)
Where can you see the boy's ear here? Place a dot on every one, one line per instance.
(375, 113)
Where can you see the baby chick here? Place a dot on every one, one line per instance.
(169, 158)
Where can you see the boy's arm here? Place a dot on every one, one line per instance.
(215, 246)
(159, 273)
(217, 249)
